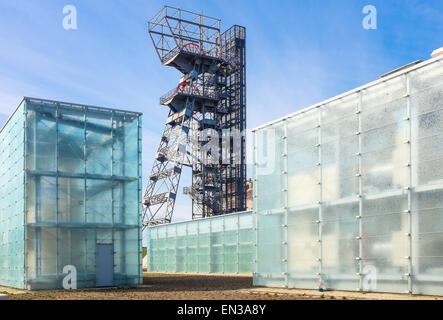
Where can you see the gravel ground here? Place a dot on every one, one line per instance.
(162, 286)
(159, 286)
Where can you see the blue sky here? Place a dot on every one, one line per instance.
(298, 53)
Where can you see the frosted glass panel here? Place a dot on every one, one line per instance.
(223, 244)
(71, 140)
(269, 162)
(12, 210)
(357, 191)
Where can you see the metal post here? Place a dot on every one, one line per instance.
(85, 196)
(255, 202)
(211, 263)
(286, 201)
(139, 209)
(176, 244)
(238, 243)
(25, 193)
(198, 246)
(223, 245)
(409, 186)
(122, 256)
(186, 249)
(320, 199)
(57, 110)
(360, 194)
(37, 233)
(85, 184)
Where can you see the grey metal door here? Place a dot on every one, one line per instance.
(105, 265)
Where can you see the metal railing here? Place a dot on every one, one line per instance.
(213, 53)
(190, 91)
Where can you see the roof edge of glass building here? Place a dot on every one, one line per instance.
(396, 74)
(71, 104)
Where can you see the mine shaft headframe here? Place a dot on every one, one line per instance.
(174, 29)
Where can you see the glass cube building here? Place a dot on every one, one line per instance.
(70, 195)
(348, 193)
(221, 244)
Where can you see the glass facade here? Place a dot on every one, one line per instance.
(80, 187)
(12, 204)
(223, 244)
(349, 192)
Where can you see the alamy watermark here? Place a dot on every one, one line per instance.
(369, 278)
(209, 147)
(70, 280)
(70, 19)
(370, 20)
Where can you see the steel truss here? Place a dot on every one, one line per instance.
(207, 117)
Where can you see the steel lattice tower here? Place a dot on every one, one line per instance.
(207, 117)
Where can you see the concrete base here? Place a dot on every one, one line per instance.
(4, 297)
(352, 295)
(159, 273)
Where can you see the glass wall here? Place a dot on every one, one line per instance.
(71, 181)
(223, 244)
(12, 246)
(349, 193)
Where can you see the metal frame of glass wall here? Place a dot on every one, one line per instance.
(348, 194)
